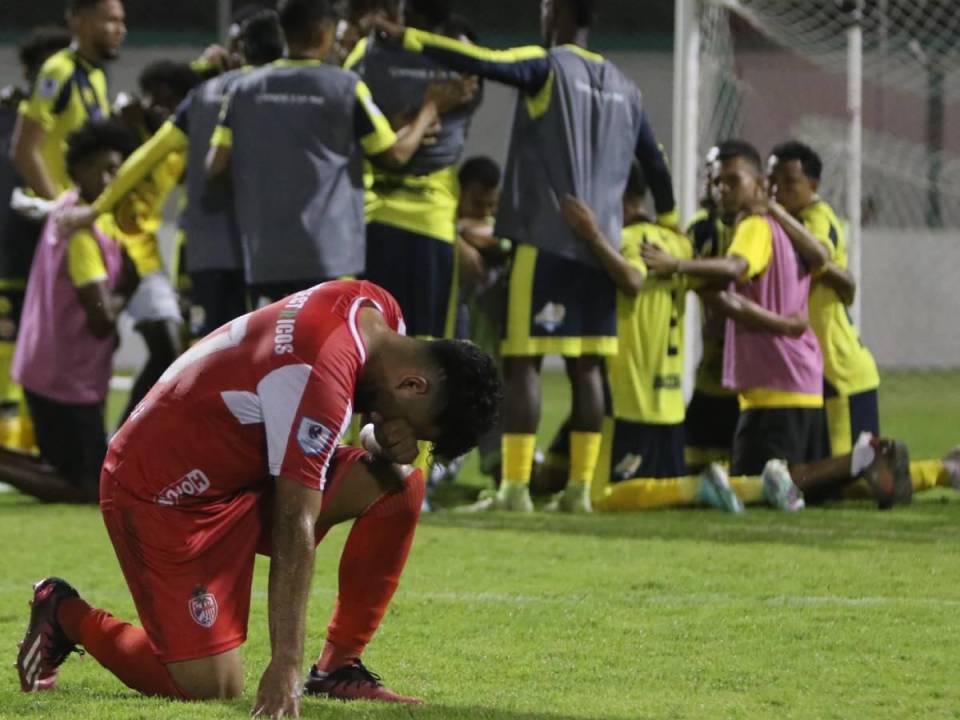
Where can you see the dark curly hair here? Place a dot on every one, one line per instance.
(95, 136)
(42, 43)
(180, 77)
(471, 395)
(794, 150)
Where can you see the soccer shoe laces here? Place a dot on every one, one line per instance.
(356, 673)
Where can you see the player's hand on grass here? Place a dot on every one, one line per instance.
(279, 693)
(69, 220)
(658, 260)
(396, 438)
(580, 218)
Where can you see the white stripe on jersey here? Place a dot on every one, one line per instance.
(245, 406)
(280, 393)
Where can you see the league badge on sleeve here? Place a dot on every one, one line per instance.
(47, 87)
(314, 437)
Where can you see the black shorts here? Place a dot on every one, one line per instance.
(848, 416)
(710, 424)
(558, 306)
(216, 298)
(71, 438)
(796, 435)
(419, 271)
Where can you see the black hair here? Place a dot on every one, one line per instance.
(480, 170)
(637, 182)
(472, 395)
(179, 76)
(356, 9)
(41, 44)
(730, 149)
(300, 19)
(794, 150)
(95, 136)
(75, 6)
(435, 13)
(582, 11)
(262, 37)
(458, 26)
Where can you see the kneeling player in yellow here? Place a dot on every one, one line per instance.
(642, 434)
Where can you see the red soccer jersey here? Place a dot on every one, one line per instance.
(270, 393)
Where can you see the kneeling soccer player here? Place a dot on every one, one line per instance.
(235, 451)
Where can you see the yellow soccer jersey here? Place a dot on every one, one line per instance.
(847, 364)
(710, 238)
(68, 92)
(140, 213)
(646, 376)
(85, 262)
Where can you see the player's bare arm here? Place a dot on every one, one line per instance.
(295, 513)
(810, 249)
(102, 305)
(28, 137)
(722, 269)
(218, 160)
(752, 315)
(580, 218)
(840, 280)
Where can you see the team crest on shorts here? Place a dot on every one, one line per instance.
(203, 607)
(314, 437)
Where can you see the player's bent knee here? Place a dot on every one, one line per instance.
(217, 677)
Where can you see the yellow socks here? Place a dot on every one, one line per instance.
(927, 474)
(518, 449)
(584, 453)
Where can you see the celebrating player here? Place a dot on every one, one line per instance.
(235, 450)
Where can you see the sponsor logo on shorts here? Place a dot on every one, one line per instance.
(314, 438)
(551, 316)
(287, 322)
(628, 466)
(192, 484)
(203, 607)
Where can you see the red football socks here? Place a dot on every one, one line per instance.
(120, 647)
(370, 566)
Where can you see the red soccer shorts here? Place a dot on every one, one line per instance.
(190, 567)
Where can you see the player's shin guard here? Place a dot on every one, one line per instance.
(123, 649)
(370, 568)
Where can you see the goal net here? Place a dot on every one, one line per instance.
(771, 70)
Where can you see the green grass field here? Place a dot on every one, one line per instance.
(832, 613)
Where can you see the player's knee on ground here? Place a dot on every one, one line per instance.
(218, 677)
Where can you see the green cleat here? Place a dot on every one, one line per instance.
(715, 490)
(511, 497)
(574, 499)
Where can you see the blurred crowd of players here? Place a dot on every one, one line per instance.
(291, 172)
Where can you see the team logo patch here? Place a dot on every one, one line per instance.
(313, 437)
(551, 316)
(47, 87)
(203, 607)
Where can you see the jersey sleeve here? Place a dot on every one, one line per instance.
(526, 68)
(653, 161)
(306, 409)
(168, 139)
(818, 223)
(84, 260)
(50, 92)
(753, 241)
(370, 125)
(223, 132)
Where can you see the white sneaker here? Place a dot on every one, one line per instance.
(779, 489)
